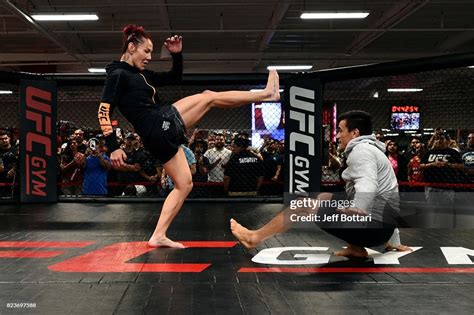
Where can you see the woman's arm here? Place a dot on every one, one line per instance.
(174, 45)
(113, 89)
(174, 76)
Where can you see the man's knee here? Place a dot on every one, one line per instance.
(315, 204)
(325, 196)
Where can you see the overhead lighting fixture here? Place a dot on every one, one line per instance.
(6, 92)
(333, 15)
(96, 70)
(65, 17)
(295, 67)
(404, 90)
(471, 67)
(375, 94)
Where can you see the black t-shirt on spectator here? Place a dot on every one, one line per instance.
(244, 168)
(444, 174)
(271, 162)
(200, 176)
(468, 159)
(147, 161)
(133, 157)
(82, 148)
(8, 157)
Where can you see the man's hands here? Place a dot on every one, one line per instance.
(79, 158)
(118, 158)
(174, 44)
(353, 211)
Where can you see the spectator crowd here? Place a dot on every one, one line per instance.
(223, 163)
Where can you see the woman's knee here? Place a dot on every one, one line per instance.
(208, 92)
(209, 97)
(184, 184)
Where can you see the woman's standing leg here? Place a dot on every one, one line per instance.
(178, 169)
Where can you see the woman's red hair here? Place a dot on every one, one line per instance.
(133, 34)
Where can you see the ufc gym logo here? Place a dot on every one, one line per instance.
(302, 110)
(39, 112)
(117, 257)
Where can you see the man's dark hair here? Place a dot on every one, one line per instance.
(4, 132)
(244, 135)
(357, 119)
(241, 142)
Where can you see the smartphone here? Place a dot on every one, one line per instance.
(93, 144)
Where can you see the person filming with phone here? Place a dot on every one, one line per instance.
(95, 166)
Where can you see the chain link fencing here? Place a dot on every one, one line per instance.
(425, 120)
(239, 152)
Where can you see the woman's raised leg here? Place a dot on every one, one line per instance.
(194, 107)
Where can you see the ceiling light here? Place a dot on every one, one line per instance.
(296, 67)
(65, 17)
(96, 70)
(334, 15)
(472, 67)
(404, 90)
(6, 92)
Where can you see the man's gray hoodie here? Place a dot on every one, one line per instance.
(370, 179)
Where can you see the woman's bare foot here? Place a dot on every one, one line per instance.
(273, 87)
(243, 235)
(399, 248)
(352, 251)
(164, 242)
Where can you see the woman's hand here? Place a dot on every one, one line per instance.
(174, 44)
(118, 158)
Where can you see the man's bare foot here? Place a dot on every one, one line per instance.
(243, 235)
(352, 251)
(164, 242)
(273, 86)
(398, 248)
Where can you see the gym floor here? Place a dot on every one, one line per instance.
(86, 258)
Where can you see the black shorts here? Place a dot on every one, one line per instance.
(165, 132)
(369, 234)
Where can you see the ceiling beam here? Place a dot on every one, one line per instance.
(279, 30)
(164, 15)
(221, 57)
(454, 41)
(229, 3)
(389, 19)
(279, 12)
(165, 23)
(46, 33)
(306, 30)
